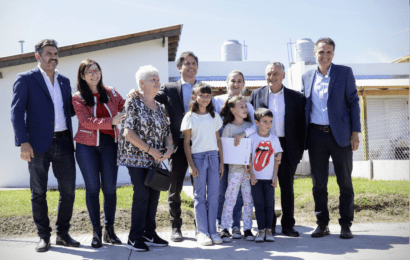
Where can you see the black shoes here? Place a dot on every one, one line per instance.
(97, 238)
(225, 236)
(291, 232)
(66, 240)
(345, 233)
(321, 231)
(176, 235)
(137, 245)
(110, 236)
(154, 240)
(43, 245)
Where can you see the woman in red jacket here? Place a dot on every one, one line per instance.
(98, 110)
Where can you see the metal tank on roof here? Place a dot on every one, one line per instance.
(231, 50)
(304, 51)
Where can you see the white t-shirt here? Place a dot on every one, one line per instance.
(203, 129)
(263, 150)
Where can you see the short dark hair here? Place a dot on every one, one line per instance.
(326, 40)
(46, 42)
(183, 56)
(261, 112)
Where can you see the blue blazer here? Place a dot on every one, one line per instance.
(32, 110)
(294, 119)
(342, 105)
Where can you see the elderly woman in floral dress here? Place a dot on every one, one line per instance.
(145, 141)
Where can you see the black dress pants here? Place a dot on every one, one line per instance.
(321, 146)
(179, 165)
(286, 174)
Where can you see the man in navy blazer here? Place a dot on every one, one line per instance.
(288, 107)
(41, 112)
(176, 96)
(332, 129)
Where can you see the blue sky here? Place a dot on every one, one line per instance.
(365, 31)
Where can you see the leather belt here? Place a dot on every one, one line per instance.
(61, 134)
(323, 128)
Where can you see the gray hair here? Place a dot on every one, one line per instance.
(272, 64)
(326, 40)
(144, 72)
(46, 42)
(229, 78)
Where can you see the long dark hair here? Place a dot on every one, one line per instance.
(226, 109)
(83, 87)
(204, 89)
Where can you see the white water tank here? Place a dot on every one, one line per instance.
(304, 51)
(231, 50)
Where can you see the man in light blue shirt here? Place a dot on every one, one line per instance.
(176, 97)
(320, 94)
(332, 129)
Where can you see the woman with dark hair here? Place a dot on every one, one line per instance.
(98, 110)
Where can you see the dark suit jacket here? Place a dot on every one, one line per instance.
(294, 119)
(171, 96)
(32, 110)
(342, 104)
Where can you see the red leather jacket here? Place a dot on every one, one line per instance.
(89, 125)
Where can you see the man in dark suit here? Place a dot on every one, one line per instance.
(332, 129)
(41, 112)
(288, 108)
(176, 96)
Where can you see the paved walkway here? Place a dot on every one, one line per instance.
(371, 241)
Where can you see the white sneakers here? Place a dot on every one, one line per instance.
(203, 239)
(216, 239)
(269, 236)
(260, 236)
(236, 233)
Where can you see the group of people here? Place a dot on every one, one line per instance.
(182, 122)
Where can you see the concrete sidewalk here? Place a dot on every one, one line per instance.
(371, 241)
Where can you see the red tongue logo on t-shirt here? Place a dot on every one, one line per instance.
(262, 155)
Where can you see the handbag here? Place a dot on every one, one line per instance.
(158, 178)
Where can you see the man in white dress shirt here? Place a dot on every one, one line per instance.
(41, 112)
(288, 111)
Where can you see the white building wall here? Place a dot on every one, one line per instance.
(363, 69)
(118, 65)
(223, 68)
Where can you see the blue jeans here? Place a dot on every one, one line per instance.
(263, 194)
(144, 205)
(206, 191)
(237, 210)
(97, 162)
(61, 155)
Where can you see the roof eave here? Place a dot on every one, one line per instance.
(172, 32)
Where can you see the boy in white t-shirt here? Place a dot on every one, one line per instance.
(264, 164)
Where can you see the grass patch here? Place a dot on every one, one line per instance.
(375, 201)
(16, 215)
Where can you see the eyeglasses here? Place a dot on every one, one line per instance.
(92, 72)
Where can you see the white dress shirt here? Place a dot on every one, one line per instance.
(277, 106)
(55, 93)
